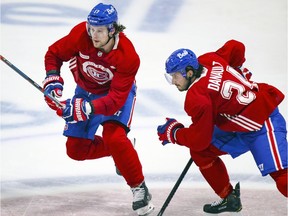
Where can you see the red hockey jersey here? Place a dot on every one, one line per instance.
(223, 97)
(97, 72)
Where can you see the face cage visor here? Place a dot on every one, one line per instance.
(169, 76)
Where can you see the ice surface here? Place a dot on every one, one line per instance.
(114, 199)
(32, 145)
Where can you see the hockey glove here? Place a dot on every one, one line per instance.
(244, 72)
(53, 85)
(75, 110)
(166, 132)
(52, 104)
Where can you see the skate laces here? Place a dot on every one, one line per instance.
(138, 194)
(215, 203)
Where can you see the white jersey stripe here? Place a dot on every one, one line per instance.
(73, 63)
(249, 120)
(239, 123)
(247, 123)
(244, 122)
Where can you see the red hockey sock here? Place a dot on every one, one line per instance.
(280, 177)
(124, 155)
(83, 149)
(213, 170)
(217, 177)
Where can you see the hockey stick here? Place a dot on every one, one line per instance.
(173, 191)
(30, 80)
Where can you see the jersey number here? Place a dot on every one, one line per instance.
(243, 96)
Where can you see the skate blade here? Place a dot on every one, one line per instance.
(225, 213)
(236, 214)
(146, 210)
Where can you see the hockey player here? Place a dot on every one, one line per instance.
(228, 112)
(104, 64)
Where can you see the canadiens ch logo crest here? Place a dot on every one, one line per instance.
(97, 72)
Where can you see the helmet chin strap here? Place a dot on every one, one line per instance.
(190, 80)
(109, 38)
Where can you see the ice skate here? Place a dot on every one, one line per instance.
(117, 170)
(231, 203)
(141, 200)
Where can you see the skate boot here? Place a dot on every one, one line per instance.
(231, 203)
(117, 170)
(141, 200)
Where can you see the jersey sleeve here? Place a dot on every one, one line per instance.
(233, 52)
(199, 134)
(63, 49)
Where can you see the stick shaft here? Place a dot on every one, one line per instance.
(29, 80)
(174, 189)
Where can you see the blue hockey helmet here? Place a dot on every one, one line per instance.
(179, 60)
(103, 15)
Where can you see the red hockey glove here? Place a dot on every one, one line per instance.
(166, 132)
(53, 85)
(245, 72)
(75, 110)
(52, 104)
